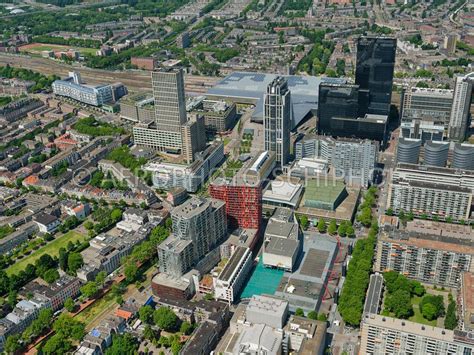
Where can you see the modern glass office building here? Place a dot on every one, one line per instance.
(374, 71)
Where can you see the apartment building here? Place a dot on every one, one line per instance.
(386, 335)
(106, 252)
(219, 115)
(199, 225)
(231, 280)
(434, 259)
(243, 203)
(432, 192)
(19, 108)
(57, 292)
(353, 159)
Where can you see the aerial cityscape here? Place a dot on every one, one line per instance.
(230, 177)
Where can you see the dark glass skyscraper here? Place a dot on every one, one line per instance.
(336, 100)
(374, 71)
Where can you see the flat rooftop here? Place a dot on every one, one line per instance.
(374, 294)
(233, 262)
(324, 191)
(252, 86)
(281, 246)
(344, 212)
(262, 281)
(283, 192)
(267, 304)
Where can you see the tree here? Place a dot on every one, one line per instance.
(342, 230)
(12, 344)
(176, 346)
(389, 211)
(350, 231)
(312, 315)
(186, 328)
(299, 312)
(68, 327)
(145, 314)
(44, 263)
(100, 278)
(63, 259)
(399, 302)
(417, 288)
(88, 225)
(304, 222)
(451, 320)
(149, 333)
(51, 275)
(90, 289)
(322, 317)
(12, 295)
(57, 344)
(351, 302)
(429, 311)
(434, 305)
(74, 262)
(116, 214)
(69, 304)
(131, 271)
(322, 226)
(332, 229)
(365, 216)
(122, 344)
(165, 319)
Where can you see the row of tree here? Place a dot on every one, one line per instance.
(42, 81)
(90, 126)
(365, 208)
(67, 331)
(351, 302)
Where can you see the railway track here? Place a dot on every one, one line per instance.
(136, 80)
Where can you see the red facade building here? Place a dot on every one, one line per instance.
(243, 203)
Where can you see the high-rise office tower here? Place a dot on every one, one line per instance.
(171, 130)
(337, 101)
(243, 202)
(277, 119)
(374, 71)
(460, 111)
(170, 102)
(425, 113)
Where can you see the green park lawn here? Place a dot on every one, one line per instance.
(39, 47)
(51, 248)
(417, 316)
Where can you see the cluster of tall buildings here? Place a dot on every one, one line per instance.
(361, 109)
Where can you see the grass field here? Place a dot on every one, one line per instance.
(51, 248)
(417, 316)
(37, 48)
